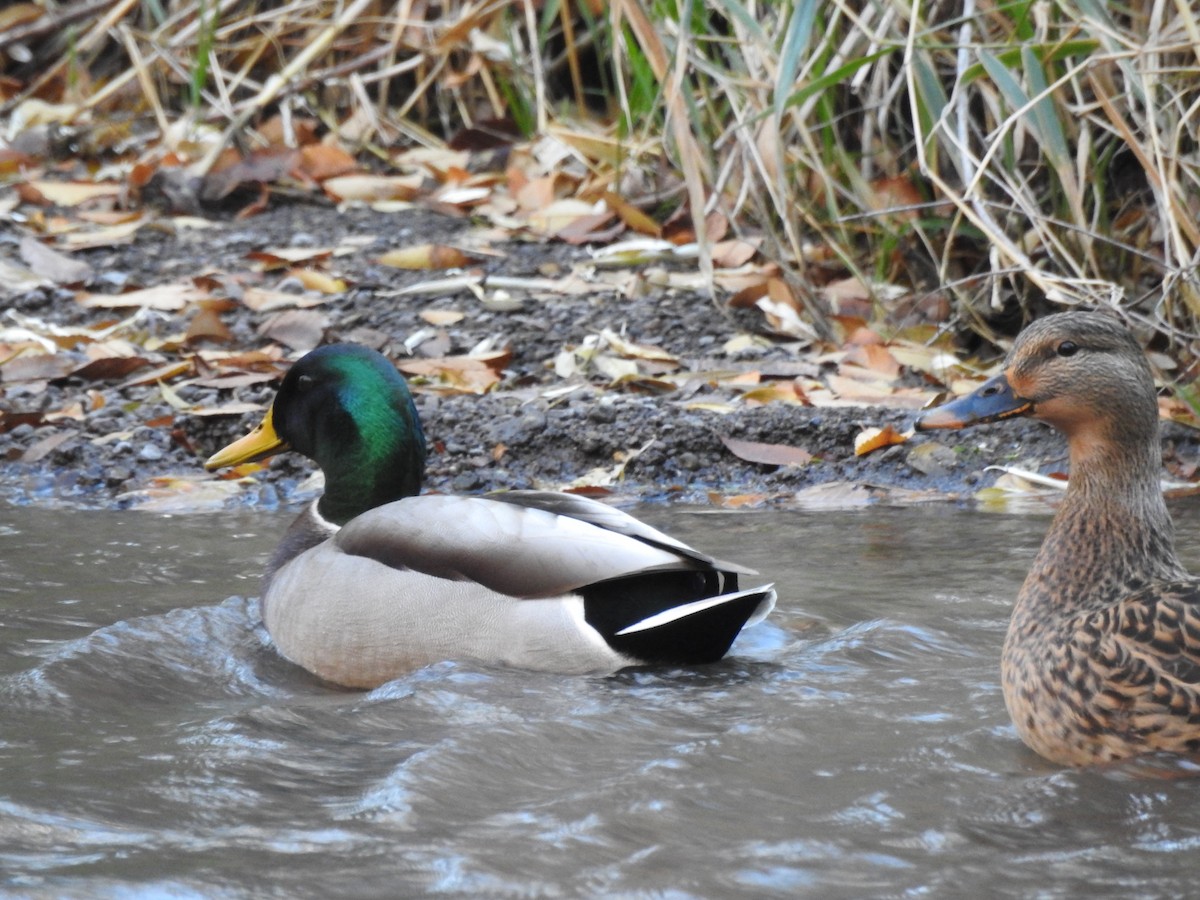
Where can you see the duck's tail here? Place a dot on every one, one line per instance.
(688, 632)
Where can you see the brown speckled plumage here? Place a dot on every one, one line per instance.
(1102, 657)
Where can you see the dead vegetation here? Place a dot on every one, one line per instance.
(873, 178)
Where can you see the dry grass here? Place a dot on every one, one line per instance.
(1016, 156)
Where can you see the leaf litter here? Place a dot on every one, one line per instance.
(125, 363)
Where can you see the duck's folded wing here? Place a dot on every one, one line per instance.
(521, 551)
(1150, 639)
(610, 518)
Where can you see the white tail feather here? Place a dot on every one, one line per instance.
(679, 612)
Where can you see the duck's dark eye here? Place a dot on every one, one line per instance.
(304, 383)
(1067, 348)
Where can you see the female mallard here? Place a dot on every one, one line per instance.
(372, 581)
(1102, 658)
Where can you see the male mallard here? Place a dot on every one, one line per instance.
(1102, 658)
(372, 581)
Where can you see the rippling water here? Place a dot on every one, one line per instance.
(856, 745)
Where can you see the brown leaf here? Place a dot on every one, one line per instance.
(46, 262)
(592, 229)
(159, 373)
(206, 325)
(66, 193)
(465, 374)
(731, 254)
(264, 167)
(373, 188)
(632, 216)
(10, 420)
(875, 358)
(318, 281)
(321, 162)
(767, 454)
(109, 367)
(165, 297)
(873, 439)
(300, 329)
(284, 257)
(13, 162)
(425, 256)
(262, 300)
(442, 316)
(46, 446)
(35, 367)
(554, 217)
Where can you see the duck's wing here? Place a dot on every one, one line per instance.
(520, 550)
(1150, 640)
(610, 518)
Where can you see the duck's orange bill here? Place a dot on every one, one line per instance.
(262, 441)
(991, 401)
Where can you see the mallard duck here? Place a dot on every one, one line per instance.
(1102, 657)
(372, 580)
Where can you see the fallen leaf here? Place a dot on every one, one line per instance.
(633, 217)
(777, 392)
(263, 300)
(441, 317)
(43, 448)
(634, 350)
(320, 162)
(767, 454)
(36, 367)
(596, 228)
(206, 325)
(259, 168)
(873, 439)
(465, 374)
(373, 188)
(164, 297)
(109, 367)
(425, 256)
(46, 262)
(109, 236)
(784, 319)
(299, 329)
(874, 357)
(731, 254)
(66, 193)
(318, 281)
(556, 216)
(284, 257)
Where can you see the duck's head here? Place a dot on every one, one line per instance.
(1082, 372)
(346, 408)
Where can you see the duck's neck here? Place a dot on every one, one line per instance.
(1112, 534)
(370, 475)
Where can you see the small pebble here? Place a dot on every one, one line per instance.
(150, 453)
(116, 475)
(465, 481)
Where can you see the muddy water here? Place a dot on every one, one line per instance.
(854, 746)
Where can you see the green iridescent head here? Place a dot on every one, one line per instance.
(346, 408)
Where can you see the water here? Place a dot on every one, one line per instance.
(856, 745)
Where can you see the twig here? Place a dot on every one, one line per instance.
(276, 84)
(54, 20)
